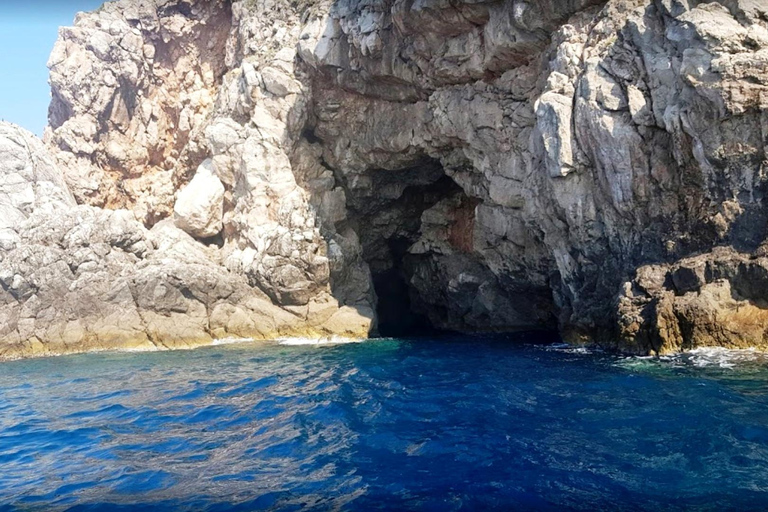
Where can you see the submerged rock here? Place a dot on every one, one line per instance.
(468, 166)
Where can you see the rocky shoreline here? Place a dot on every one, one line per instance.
(266, 169)
(78, 278)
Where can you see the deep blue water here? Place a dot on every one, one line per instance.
(452, 424)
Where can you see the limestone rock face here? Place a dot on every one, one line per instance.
(588, 140)
(132, 86)
(200, 205)
(596, 166)
(713, 299)
(30, 182)
(76, 277)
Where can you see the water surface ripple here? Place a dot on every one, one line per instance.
(450, 424)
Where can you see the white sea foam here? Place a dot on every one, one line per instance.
(330, 340)
(722, 357)
(135, 350)
(705, 357)
(571, 349)
(231, 341)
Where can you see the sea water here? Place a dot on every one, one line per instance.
(433, 424)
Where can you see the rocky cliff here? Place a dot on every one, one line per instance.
(258, 168)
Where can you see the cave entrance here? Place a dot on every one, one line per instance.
(395, 310)
(389, 224)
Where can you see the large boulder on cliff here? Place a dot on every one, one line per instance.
(200, 205)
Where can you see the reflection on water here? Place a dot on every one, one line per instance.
(450, 424)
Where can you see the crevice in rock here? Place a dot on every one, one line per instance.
(395, 309)
(59, 110)
(216, 240)
(310, 136)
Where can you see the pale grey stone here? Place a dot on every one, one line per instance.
(199, 207)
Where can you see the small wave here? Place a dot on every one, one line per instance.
(722, 357)
(330, 340)
(571, 349)
(704, 357)
(132, 350)
(231, 341)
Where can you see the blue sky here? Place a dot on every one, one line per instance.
(28, 29)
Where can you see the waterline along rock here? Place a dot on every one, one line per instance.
(262, 168)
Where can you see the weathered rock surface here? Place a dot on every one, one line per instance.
(132, 87)
(596, 166)
(92, 279)
(29, 182)
(200, 206)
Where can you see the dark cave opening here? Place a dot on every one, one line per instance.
(388, 225)
(423, 264)
(395, 310)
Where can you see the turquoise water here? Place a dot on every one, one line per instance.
(450, 424)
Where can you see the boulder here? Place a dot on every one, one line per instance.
(199, 207)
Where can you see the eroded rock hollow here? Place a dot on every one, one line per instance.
(353, 167)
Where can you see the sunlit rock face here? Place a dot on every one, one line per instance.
(77, 277)
(200, 204)
(406, 167)
(132, 87)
